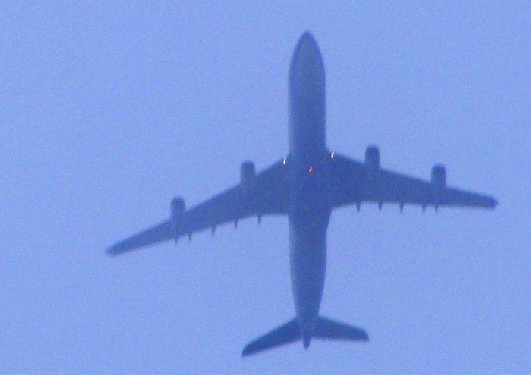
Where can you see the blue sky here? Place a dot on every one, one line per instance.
(110, 109)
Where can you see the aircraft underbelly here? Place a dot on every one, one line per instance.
(309, 202)
(307, 130)
(307, 237)
(308, 222)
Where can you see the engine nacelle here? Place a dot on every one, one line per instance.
(438, 177)
(372, 160)
(247, 175)
(177, 210)
(438, 182)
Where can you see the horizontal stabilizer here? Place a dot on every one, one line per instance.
(285, 334)
(328, 329)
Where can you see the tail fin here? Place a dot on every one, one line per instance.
(328, 329)
(285, 334)
(289, 332)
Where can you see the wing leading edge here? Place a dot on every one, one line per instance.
(354, 182)
(263, 194)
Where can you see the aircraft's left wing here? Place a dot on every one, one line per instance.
(265, 193)
(354, 182)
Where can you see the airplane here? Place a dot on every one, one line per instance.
(306, 186)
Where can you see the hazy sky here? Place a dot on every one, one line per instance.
(110, 109)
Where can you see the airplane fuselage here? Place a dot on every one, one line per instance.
(309, 201)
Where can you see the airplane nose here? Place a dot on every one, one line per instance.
(307, 75)
(307, 57)
(307, 45)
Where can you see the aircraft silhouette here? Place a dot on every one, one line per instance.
(306, 185)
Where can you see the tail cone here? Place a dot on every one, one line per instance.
(306, 340)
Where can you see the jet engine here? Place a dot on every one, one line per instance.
(177, 215)
(438, 182)
(438, 177)
(372, 160)
(247, 175)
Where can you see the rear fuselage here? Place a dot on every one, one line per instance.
(309, 198)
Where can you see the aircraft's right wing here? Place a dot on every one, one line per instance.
(263, 194)
(353, 183)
